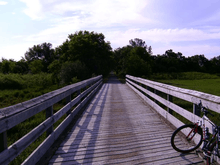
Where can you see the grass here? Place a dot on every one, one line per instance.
(16, 88)
(210, 86)
(202, 82)
(30, 86)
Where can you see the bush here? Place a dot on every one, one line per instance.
(18, 81)
(71, 71)
(10, 81)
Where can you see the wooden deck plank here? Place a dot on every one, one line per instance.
(117, 127)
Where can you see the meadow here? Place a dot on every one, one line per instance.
(203, 82)
(16, 88)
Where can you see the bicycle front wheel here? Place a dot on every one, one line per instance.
(187, 138)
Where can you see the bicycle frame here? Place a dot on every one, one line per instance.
(201, 123)
(197, 133)
(209, 145)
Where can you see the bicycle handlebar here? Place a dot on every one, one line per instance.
(206, 112)
(204, 109)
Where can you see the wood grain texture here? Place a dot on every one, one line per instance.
(184, 94)
(208, 100)
(117, 127)
(9, 153)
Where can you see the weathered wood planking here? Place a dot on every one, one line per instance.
(208, 100)
(118, 128)
(13, 115)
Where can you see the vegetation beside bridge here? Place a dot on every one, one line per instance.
(86, 54)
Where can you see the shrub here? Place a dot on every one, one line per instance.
(71, 71)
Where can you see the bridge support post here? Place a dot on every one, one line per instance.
(49, 113)
(170, 98)
(155, 91)
(196, 110)
(3, 141)
(68, 99)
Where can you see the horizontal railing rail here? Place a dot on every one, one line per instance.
(14, 115)
(148, 90)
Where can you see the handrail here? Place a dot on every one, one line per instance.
(13, 115)
(208, 100)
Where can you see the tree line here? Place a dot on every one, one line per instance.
(85, 54)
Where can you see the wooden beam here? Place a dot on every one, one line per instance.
(3, 141)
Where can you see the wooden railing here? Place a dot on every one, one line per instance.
(149, 90)
(13, 115)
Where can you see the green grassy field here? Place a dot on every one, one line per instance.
(210, 86)
(196, 81)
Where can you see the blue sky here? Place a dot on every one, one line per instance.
(188, 26)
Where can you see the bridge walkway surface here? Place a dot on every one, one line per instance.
(117, 127)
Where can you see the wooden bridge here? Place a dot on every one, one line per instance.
(119, 124)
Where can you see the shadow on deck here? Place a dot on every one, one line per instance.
(117, 127)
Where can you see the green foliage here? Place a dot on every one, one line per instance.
(134, 59)
(16, 88)
(70, 70)
(10, 81)
(42, 52)
(90, 49)
(55, 68)
(137, 66)
(183, 76)
(36, 66)
(11, 66)
(5, 66)
(18, 81)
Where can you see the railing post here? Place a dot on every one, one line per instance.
(169, 98)
(79, 92)
(3, 141)
(196, 110)
(49, 113)
(68, 99)
(155, 92)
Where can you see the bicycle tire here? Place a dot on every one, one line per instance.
(192, 144)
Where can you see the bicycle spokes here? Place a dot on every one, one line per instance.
(190, 135)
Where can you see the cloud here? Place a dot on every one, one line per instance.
(34, 9)
(98, 15)
(118, 20)
(165, 39)
(165, 35)
(3, 3)
(14, 51)
(97, 11)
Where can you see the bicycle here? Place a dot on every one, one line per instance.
(195, 134)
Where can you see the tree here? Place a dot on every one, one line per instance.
(21, 67)
(137, 43)
(55, 68)
(36, 66)
(137, 66)
(121, 58)
(43, 52)
(72, 70)
(89, 48)
(215, 65)
(150, 50)
(133, 59)
(5, 66)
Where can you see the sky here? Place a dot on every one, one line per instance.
(191, 27)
